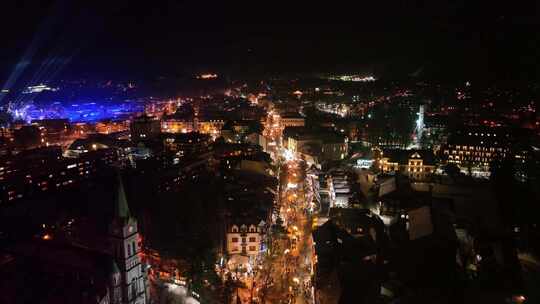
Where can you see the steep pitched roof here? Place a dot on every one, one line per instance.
(113, 267)
(121, 205)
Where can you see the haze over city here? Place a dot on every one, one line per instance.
(307, 153)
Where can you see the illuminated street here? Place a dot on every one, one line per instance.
(154, 154)
(286, 276)
(297, 253)
(180, 293)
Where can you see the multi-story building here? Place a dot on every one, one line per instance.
(211, 126)
(244, 237)
(292, 120)
(416, 164)
(45, 169)
(28, 137)
(194, 124)
(144, 127)
(334, 147)
(53, 130)
(111, 126)
(186, 143)
(177, 125)
(324, 145)
(474, 148)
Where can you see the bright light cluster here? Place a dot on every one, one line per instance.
(207, 76)
(38, 89)
(355, 78)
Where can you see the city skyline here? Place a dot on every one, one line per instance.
(174, 152)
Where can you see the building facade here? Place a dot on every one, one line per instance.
(130, 282)
(204, 126)
(335, 150)
(186, 143)
(323, 145)
(32, 172)
(292, 120)
(174, 125)
(416, 164)
(474, 148)
(245, 239)
(144, 127)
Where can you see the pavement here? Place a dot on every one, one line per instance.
(282, 277)
(293, 268)
(285, 277)
(180, 292)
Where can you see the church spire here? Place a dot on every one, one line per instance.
(121, 204)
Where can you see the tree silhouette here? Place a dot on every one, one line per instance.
(452, 170)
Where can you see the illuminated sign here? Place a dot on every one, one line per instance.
(364, 163)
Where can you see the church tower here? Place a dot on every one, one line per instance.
(126, 248)
(115, 283)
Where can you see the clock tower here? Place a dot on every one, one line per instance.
(124, 237)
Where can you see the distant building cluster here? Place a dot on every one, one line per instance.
(366, 190)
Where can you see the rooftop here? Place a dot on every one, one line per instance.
(327, 136)
(402, 156)
(191, 137)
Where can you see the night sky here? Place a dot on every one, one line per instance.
(446, 39)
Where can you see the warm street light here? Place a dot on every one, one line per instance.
(518, 299)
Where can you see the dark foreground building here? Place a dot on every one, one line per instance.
(61, 268)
